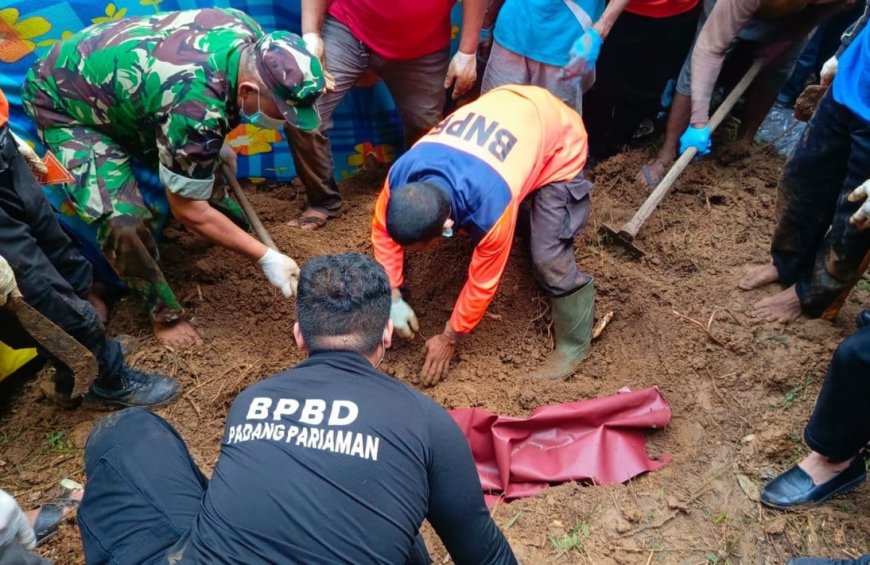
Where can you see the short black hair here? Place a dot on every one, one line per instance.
(343, 303)
(416, 212)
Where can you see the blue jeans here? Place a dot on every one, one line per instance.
(814, 245)
(143, 491)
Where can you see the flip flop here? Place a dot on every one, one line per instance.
(52, 514)
(48, 521)
(312, 223)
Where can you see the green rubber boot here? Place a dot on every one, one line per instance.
(573, 316)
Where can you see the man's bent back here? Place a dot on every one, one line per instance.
(331, 461)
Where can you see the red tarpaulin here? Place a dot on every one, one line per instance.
(600, 440)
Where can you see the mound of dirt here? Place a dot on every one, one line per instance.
(740, 390)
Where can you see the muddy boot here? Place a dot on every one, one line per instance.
(573, 316)
(134, 388)
(121, 386)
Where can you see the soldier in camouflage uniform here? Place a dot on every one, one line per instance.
(165, 90)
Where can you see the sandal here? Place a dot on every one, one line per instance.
(310, 222)
(52, 514)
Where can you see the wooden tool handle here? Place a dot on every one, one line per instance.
(631, 228)
(258, 226)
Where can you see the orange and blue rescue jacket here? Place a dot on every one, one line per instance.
(4, 109)
(489, 156)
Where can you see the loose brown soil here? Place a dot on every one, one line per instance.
(740, 396)
(806, 103)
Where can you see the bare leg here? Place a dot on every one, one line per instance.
(759, 101)
(678, 121)
(820, 469)
(177, 333)
(782, 307)
(759, 277)
(96, 299)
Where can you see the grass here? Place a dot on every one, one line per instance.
(571, 540)
(57, 441)
(780, 339)
(796, 391)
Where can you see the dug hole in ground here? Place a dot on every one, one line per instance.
(740, 395)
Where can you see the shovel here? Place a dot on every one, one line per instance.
(58, 343)
(626, 234)
(249, 211)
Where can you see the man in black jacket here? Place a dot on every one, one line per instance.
(331, 461)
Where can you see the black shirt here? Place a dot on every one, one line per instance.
(334, 461)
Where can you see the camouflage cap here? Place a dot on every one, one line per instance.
(293, 75)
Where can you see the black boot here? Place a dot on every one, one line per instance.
(134, 388)
(123, 386)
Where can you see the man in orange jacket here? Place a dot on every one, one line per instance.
(471, 172)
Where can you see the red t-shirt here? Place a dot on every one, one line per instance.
(398, 30)
(660, 8)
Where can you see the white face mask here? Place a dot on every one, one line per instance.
(260, 119)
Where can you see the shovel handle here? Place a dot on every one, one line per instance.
(631, 227)
(258, 226)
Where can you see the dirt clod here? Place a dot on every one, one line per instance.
(806, 103)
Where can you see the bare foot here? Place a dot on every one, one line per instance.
(758, 277)
(310, 220)
(820, 469)
(655, 170)
(782, 307)
(99, 304)
(178, 333)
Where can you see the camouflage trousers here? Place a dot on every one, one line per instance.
(105, 192)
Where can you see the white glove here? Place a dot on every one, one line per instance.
(314, 45)
(33, 161)
(8, 288)
(404, 319)
(829, 69)
(462, 70)
(282, 271)
(14, 524)
(861, 218)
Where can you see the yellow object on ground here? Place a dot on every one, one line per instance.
(13, 359)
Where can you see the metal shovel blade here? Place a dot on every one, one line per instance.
(619, 235)
(58, 343)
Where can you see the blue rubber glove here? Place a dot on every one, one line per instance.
(584, 54)
(699, 138)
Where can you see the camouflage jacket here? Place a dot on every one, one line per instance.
(160, 86)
